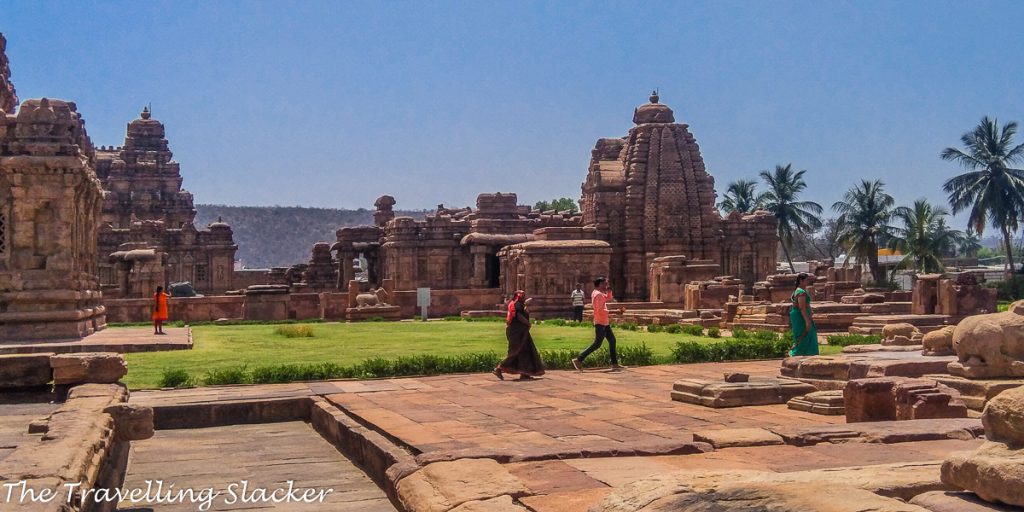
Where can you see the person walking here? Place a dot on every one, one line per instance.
(602, 325)
(805, 333)
(577, 303)
(159, 310)
(523, 359)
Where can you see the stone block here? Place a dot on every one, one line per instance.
(925, 399)
(131, 422)
(89, 367)
(442, 486)
(736, 377)
(976, 393)
(870, 399)
(718, 394)
(829, 403)
(25, 370)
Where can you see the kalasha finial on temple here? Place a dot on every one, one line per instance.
(654, 96)
(145, 112)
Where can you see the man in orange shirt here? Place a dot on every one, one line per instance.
(602, 325)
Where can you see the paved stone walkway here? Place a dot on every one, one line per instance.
(266, 456)
(111, 339)
(478, 415)
(14, 420)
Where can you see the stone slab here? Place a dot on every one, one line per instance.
(828, 403)
(25, 371)
(733, 437)
(883, 432)
(719, 394)
(976, 392)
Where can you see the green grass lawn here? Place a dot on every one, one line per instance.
(227, 346)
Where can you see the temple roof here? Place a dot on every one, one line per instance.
(653, 112)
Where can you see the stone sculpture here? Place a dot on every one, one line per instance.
(990, 346)
(377, 297)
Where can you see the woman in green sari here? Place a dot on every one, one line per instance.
(805, 334)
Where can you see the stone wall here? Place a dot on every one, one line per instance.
(448, 302)
(187, 309)
(49, 205)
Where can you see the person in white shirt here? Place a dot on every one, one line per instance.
(577, 296)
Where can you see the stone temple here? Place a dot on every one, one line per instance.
(649, 195)
(49, 205)
(147, 233)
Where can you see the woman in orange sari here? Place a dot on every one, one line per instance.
(159, 310)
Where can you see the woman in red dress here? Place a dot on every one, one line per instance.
(159, 310)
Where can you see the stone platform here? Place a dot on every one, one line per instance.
(569, 441)
(112, 339)
(873, 324)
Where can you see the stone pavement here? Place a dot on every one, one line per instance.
(573, 438)
(265, 455)
(111, 339)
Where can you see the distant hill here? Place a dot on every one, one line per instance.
(279, 236)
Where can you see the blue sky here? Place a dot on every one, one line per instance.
(332, 104)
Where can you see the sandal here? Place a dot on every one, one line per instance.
(497, 373)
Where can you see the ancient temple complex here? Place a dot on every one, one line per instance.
(648, 203)
(147, 222)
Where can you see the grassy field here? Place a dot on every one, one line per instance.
(219, 347)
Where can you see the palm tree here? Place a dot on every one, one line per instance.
(784, 188)
(970, 245)
(924, 237)
(741, 196)
(991, 188)
(864, 215)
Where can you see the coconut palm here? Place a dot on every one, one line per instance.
(864, 215)
(781, 199)
(741, 196)
(970, 245)
(924, 236)
(992, 189)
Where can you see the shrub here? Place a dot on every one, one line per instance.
(485, 319)
(1009, 289)
(452, 318)
(714, 332)
(673, 328)
(560, 322)
(729, 350)
(224, 376)
(176, 378)
(628, 326)
(655, 328)
(740, 333)
(845, 340)
(294, 331)
(766, 335)
(693, 329)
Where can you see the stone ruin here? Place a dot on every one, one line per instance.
(146, 208)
